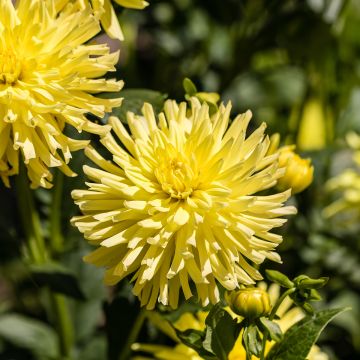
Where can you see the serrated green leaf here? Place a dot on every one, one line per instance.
(58, 278)
(299, 339)
(29, 334)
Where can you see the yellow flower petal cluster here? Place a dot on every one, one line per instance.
(104, 10)
(288, 316)
(178, 204)
(347, 185)
(47, 78)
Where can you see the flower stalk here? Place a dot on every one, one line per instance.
(56, 238)
(124, 355)
(39, 254)
(272, 316)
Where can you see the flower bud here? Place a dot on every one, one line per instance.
(312, 129)
(299, 172)
(250, 303)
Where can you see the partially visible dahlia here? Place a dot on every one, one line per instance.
(47, 78)
(104, 10)
(177, 205)
(346, 185)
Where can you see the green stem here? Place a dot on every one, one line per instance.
(56, 238)
(133, 335)
(279, 302)
(271, 317)
(39, 255)
(30, 219)
(64, 324)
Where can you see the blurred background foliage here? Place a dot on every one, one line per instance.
(296, 65)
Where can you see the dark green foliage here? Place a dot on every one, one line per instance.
(298, 340)
(218, 338)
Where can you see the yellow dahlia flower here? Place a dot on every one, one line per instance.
(47, 77)
(178, 203)
(104, 10)
(288, 316)
(347, 185)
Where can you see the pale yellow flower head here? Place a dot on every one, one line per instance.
(287, 314)
(47, 78)
(105, 12)
(179, 205)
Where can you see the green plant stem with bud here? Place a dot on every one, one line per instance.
(38, 254)
(30, 219)
(272, 316)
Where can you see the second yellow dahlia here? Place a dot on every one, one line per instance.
(178, 204)
(47, 79)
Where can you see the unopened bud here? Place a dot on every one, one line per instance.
(279, 278)
(298, 172)
(312, 130)
(305, 282)
(250, 303)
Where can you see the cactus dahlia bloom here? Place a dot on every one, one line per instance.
(178, 203)
(47, 78)
(104, 10)
(287, 314)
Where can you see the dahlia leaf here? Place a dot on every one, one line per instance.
(299, 339)
(30, 334)
(58, 278)
(252, 340)
(221, 332)
(273, 328)
(194, 339)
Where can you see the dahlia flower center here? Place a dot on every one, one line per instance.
(10, 67)
(176, 176)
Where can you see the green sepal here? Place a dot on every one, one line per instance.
(308, 308)
(221, 332)
(194, 339)
(279, 278)
(252, 341)
(272, 327)
(314, 295)
(189, 87)
(305, 282)
(218, 338)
